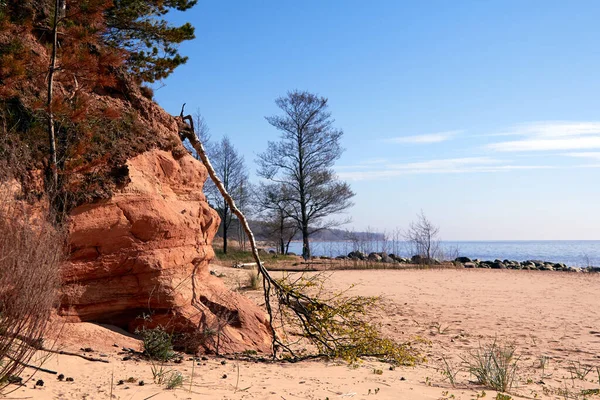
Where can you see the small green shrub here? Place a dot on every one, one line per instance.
(158, 344)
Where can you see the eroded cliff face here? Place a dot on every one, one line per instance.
(140, 227)
(145, 252)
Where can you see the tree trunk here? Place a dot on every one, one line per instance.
(305, 243)
(51, 134)
(281, 230)
(225, 228)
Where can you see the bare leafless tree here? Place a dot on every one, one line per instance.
(275, 213)
(302, 161)
(202, 130)
(232, 171)
(202, 133)
(243, 194)
(423, 237)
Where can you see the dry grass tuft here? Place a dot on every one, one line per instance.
(31, 249)
(494, 365)
(254, 280)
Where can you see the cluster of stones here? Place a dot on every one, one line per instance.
(537, 265)
(464, 262)
(384, 257)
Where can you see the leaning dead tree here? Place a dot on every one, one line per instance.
(336, 325)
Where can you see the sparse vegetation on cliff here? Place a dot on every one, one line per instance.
(81, 124)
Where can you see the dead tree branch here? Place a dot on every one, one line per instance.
(336, 325)
(295, 301)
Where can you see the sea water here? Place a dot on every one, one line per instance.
(576, 253)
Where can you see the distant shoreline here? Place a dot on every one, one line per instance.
(575, 253)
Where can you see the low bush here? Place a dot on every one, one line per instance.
(158, 343)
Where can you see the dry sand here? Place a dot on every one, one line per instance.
(545, 314)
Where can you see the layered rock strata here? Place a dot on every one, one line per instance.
(141, 258)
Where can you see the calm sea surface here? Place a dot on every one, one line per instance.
(578, 253)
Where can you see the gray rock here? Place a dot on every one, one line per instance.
(538, 263)
(357, 255)
(387, 259)
(546, 267)
(417, 259)
(463, 259)
(374, 257)
(498, 265)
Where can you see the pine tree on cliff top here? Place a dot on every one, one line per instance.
(137, 27)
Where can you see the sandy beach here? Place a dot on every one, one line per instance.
(551, 318)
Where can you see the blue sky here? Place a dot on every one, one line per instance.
(484, 114)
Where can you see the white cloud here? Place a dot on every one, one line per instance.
(550, 136)
(448, 163)
(595, 155)
(574, 143)
(425, 139)
(441, 166)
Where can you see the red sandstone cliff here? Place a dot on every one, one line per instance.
(145, 251)
(141, 231)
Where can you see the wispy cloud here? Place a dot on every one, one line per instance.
(575, 143)
(594, 155)
(425, 139)
(550, 136)
(438, 166)
(445, 163)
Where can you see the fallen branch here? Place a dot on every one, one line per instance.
(296, 301)
(69, 353)
(336, 325)
(245, 265)
(48, 371)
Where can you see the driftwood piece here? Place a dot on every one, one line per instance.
(69, 353)
(48, 371)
